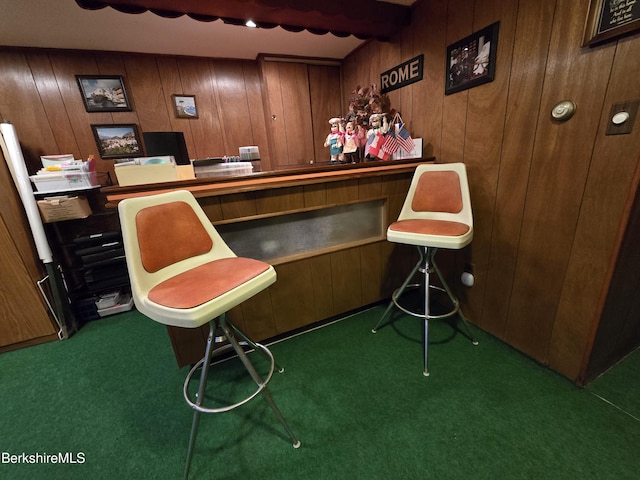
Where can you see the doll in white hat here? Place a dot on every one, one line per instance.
(351, 150)
(335, 139)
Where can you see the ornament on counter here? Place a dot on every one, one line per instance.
(351, 147)
(335, 140)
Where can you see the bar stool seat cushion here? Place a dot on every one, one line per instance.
(431, 227)
(206, 282)
(430, 233)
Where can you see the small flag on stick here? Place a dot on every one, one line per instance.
(390, 144)
(404, 139)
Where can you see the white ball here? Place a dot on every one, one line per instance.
(467, 279)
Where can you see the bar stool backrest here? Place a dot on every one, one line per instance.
(439, 192)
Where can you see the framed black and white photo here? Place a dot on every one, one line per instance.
(103, 93)
(472, 60)
(185, 106)
(117, 140)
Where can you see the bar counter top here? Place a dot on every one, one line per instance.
(202, 187)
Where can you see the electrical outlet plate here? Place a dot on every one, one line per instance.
(631, 107)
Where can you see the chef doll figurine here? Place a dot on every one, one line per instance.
(335, 140)
(350, 149)
(378, 124)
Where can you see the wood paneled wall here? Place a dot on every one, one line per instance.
(549, 198)
(40, 96)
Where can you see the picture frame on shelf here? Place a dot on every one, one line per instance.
(103, 93)
(184, 106)
(117, 140)
(610, 19)
(472, 60)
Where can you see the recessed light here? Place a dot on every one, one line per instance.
(251, 24)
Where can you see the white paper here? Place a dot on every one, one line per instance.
(15, 161)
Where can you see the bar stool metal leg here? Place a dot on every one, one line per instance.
(427, 265)
(427, 310)
(398, 293)
(201, 389)
(256, 378)
(229, 330)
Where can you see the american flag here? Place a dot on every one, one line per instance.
(404, 139)
(390, 144)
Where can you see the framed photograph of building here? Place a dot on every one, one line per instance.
(103, 93)
(117, 140)
(610, 19)
(472, 60)
(185, 106)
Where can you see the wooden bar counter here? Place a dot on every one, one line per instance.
(322, 227)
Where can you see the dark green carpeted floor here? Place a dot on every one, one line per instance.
(358, 402)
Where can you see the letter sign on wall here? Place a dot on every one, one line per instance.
(404, 74)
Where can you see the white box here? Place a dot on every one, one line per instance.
(415, 153)
(62, 180)
(125, 304)
(142, 174)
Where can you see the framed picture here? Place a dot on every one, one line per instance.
(472, 60)
(103, 93)
(117, 140)
(609, 19)
(185, 106)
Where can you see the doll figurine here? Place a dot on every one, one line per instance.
(350, 148)
(335, 140)
(378, 124)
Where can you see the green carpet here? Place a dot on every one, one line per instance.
(358, 402)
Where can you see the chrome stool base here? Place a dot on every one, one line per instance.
(229, 332)
(425, 266)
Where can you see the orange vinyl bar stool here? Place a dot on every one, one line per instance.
(183, 274)
(436, 214)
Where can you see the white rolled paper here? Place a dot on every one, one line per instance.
(13, 156)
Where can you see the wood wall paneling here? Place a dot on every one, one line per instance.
(325, 103)
(426, 108)
(292, 296)
(23, 314)
(323, 303)
(53, 104)
(484, 133)
(197, 79)
(280, 200)
(288, 103)
(526, 78)
(548, 197)
(171, 84)
(603, 213)
(459, 22)
(561, 159)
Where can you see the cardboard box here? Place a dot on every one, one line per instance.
(57, 209)
(142, 174)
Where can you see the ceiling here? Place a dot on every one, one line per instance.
(64, 24)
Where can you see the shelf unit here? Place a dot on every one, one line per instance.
(87, 250)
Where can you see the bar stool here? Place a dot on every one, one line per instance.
(183, 274)
(436, 214)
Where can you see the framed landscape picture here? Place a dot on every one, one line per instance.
(117, 140)
(185, 106)
(472, 60)
(103, 93)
